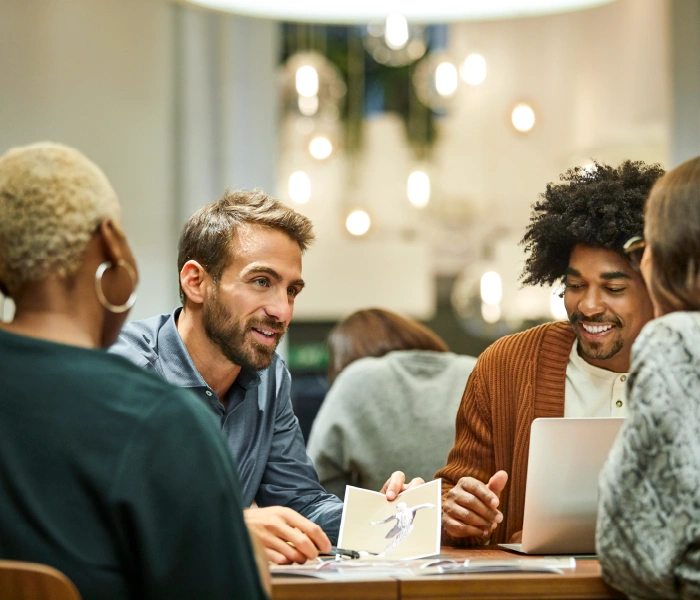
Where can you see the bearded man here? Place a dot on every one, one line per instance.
(239, 261)
(574, 368)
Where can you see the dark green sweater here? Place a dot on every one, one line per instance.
(116, 478)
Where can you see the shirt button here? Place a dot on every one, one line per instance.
(208, 392)
(618, 404)
(623, 377)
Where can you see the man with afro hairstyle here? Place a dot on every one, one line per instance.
(574, 368)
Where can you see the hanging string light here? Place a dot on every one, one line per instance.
(473, 69)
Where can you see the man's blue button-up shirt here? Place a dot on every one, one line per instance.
(261, 430)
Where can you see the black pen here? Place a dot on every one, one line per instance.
(335, 551)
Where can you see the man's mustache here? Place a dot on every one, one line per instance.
(575, 317)
(270, 324)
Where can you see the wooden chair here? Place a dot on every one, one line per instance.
(31, 581)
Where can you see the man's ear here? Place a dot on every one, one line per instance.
(194, 281)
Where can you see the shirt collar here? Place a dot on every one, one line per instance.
(248, 378)
(179, 368)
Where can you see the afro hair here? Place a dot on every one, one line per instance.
(598, 206)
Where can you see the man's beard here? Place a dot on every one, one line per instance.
(232, 339)
(596, 350)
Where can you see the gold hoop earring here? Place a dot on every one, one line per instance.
(115, 308)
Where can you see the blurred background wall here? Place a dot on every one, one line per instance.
(99, 76)
(177, 103)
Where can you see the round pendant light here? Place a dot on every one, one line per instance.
(414, 11)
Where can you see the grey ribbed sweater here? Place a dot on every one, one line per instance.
(386, 414)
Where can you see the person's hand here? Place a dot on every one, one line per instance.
(516, 538)
(397, 484)
(471, 507)
(286, 535)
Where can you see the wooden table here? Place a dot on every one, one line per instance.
(583, 582)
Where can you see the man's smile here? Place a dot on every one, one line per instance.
(595, 329)
(595, 332)
(266, 335)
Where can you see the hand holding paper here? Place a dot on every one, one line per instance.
(408, 528)
(397, 484)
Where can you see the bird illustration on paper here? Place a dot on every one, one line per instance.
(404, 524)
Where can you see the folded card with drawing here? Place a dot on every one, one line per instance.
(408, 527)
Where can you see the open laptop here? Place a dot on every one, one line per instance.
(561, 495)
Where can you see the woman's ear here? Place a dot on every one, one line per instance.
(112, 240)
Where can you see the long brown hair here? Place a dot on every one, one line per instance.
(375, 332)
(672, 216)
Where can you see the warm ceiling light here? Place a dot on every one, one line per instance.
(307, 81)
(358, 222)
(446, 79)
(320, 147)
(308, 106)
(415, 11)
(418, 189)
(299, 187)
(523, 118)
(491, 288)
(473, 69)
(491, 313)
(396, 31)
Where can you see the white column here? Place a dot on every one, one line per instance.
(251, 102)
(227, 105)
(685, 52)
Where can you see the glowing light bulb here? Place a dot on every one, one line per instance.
(418, 189)
(473, 69)
(320, 147)
(491, 288)
(396, 31)
(308, 105)
(307, 81)
(490, 313)
(299, 187)
(446, 79)
(358, 222)
(523, 118)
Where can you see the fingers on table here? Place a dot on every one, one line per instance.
(286, 532)
(276, 544)
(468, 510)
(459, 529)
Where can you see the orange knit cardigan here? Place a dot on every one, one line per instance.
(517, 379)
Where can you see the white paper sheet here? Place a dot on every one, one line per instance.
(406, 528)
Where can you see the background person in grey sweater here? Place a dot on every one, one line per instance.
(392, 404)
(648, 534)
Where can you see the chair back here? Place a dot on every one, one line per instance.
(31, 581)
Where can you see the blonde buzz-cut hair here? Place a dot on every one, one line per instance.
(52, 199)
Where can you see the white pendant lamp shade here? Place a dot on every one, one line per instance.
(414, 11)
